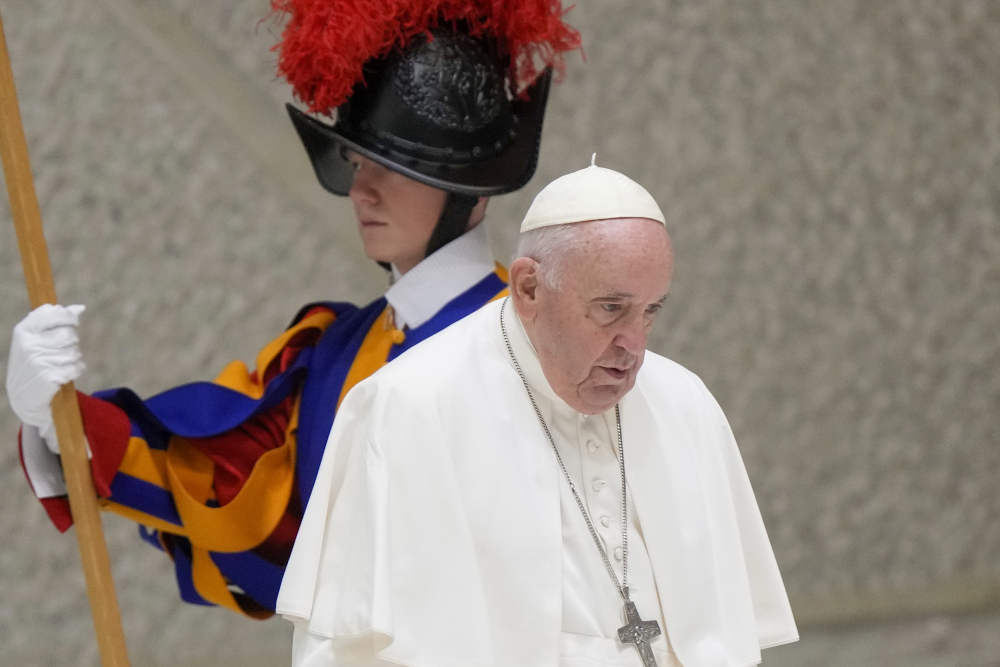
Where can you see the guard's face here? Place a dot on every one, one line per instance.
(396, 214)
(591, 333)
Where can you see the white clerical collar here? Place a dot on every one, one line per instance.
(417, 295)
(526, 355)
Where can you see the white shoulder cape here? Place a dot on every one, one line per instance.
(434, 532)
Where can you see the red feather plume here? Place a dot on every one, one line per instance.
(325, 43)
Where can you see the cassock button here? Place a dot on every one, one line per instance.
(618, 553)
(592, 446)
(598, 483)
(605, 521)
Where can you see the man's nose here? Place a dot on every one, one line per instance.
(365, 187)
(633, 335)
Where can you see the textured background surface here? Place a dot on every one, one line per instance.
(829, 172)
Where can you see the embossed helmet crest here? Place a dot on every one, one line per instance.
(451, 83)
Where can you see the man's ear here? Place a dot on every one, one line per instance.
(524, 284)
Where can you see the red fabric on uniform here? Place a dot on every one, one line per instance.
(58, 510)
(297, 343)
(235, 452)
(277, 548)
(108, 430)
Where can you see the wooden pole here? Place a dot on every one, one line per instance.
(65, 409)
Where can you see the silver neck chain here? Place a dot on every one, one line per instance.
(623, 585)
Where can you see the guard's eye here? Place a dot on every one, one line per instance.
(350, 157)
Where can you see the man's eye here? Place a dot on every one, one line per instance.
(653, 309)
(350, 157)
(611, 307)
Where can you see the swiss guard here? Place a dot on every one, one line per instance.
(438, 105)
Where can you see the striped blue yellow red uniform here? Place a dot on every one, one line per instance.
(217, 473)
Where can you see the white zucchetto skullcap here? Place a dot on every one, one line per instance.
(594, 193)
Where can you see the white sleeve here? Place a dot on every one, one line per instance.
(772, 611)
(42, 466)
(312, 650)
(309, 650)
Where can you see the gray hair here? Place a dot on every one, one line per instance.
(551, 247)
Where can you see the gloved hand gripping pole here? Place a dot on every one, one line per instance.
(65, 409)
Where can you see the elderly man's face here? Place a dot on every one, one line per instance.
(591, 332)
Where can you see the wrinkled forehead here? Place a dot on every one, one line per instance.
(632, 255)
(628, 227)
(615, 239)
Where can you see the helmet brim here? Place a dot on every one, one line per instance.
(506, 172)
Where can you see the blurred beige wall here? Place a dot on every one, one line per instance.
(829, 173)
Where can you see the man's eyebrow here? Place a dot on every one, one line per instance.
(618, 296)
(614, 296)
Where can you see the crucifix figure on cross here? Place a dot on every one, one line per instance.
(639, 632)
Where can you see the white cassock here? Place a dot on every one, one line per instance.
(442, 533)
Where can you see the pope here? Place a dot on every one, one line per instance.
(217, 473)
(533, 487)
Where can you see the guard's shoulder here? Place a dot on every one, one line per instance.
(335, 308)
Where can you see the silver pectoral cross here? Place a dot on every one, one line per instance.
(639, 632)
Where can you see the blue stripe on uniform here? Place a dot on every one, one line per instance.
(185, 581)
(257, 577)
(333, 357)
(144, 497)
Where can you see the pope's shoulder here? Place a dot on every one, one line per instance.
(658, 366)
(663, 379)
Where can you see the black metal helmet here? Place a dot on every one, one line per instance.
(441, 112)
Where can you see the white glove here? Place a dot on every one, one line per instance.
(44, 355)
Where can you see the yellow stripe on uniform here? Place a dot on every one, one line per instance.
(147, 520)
(237, 377)
(142, 462)
(250, 517)
(208, 580)
(374, 351)
(503, 275)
